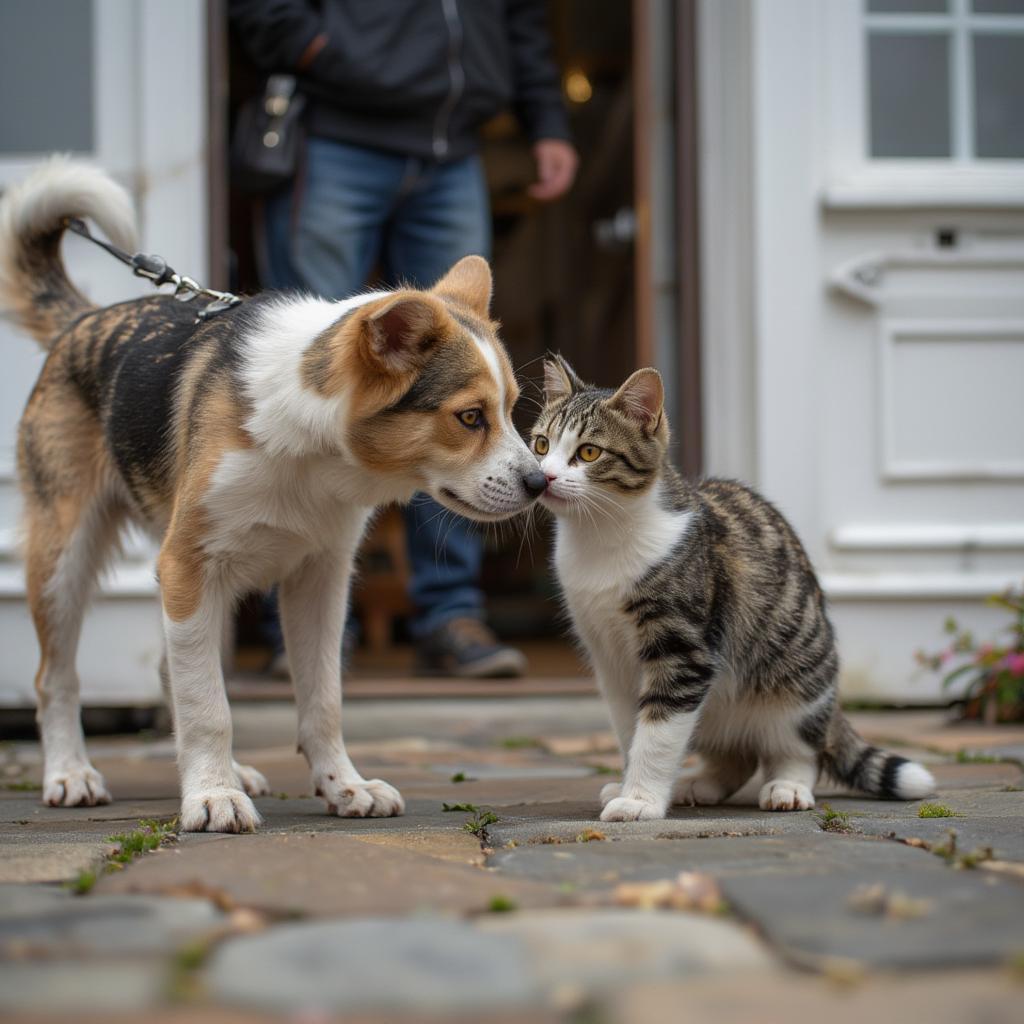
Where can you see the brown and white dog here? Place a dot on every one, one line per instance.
(254, 446)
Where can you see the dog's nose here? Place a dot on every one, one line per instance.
(535, 483)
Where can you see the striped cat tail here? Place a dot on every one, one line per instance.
(849, 759)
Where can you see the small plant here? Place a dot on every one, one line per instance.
(147, 837)
(465, 808)
(936, 811)
(478, 823)
(22, 786)
(461, 777)
(947, 849)
(184, 982)
(989, 677)
(81, 883)
(519, 742)
(502, 905)
(831, 820)
(591, 835)
(971, 757)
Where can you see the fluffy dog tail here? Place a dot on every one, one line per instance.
(851, 760)
(33, 284)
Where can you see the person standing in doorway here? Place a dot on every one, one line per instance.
(397, 91)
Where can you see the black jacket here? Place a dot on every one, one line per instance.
(417, 77)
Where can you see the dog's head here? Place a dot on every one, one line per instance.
(431, 393)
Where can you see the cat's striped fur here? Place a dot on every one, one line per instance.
(700, 611)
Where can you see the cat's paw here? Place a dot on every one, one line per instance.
(372, 798)
(220, 809)
(701, 791)
(252, 781)
(625, 809)
(609, 792)
(783, 795)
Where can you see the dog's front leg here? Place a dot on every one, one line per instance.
(314, 602)
(194, 606)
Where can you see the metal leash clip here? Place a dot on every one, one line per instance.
(155, 269)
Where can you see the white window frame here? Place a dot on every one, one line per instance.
(856, 180)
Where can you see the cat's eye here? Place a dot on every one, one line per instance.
(540, 444)
(472, 418)
(588, 452)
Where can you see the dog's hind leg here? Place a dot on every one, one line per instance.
(69, 540)
(249, 779)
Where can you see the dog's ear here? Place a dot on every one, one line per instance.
(469, 283)
(560, 379)
(399, 332)
(641, 398)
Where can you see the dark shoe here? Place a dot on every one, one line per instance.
(467, 648)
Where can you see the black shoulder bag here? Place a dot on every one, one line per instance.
(268, 137)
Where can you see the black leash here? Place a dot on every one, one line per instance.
(155, 269)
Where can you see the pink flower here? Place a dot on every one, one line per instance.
(1015, 664)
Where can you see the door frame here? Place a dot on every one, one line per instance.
(667, 254)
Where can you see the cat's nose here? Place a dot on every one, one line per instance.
(535, 483)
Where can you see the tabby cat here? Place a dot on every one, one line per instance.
(700, 612)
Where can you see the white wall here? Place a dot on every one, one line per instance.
(149, 96)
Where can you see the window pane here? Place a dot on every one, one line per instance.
(999, 95)
(909, 102)
(908, 6)
(45, 76)
(999, 6)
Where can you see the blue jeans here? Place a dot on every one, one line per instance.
(351, 209)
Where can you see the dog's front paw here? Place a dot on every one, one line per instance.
(626, 809)
(77, 787)
(783, 795)
(362, 798)
(609, 792)
(252, 781)
(218, 810)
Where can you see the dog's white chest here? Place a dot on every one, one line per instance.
(268, 514)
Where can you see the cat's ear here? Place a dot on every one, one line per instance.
(560, 379)
(641, 398)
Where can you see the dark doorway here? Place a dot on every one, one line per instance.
(565, 274)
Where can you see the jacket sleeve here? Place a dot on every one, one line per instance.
(275, 33)
(535, 79)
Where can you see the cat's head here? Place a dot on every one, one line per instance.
(598, 448)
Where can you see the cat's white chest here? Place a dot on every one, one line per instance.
(598, 570)
(591, 560)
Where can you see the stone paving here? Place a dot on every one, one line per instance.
(541, 914)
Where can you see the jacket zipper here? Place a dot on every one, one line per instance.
(456, 78)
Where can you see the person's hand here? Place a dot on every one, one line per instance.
(556, 168)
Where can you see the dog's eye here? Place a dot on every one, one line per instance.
(471, 418)
(540, 444)
(588, 452)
